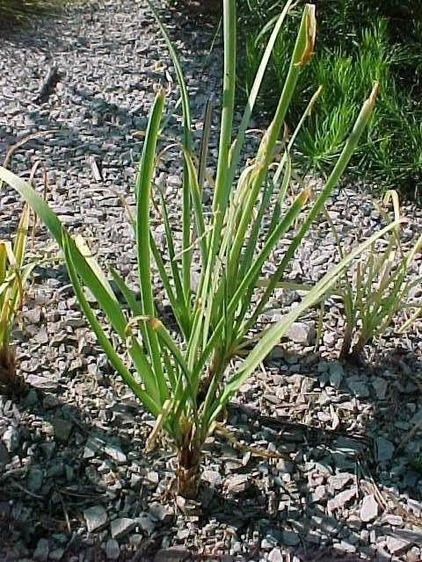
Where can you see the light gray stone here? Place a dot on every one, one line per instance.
(116, 454)
(11, 439)
(42, 383)
(275, 555)
(368, 509)
(319, 494)
(344, 546)
(393, 520)
(339, 481)
(396, 545)
(146, 523)
(236, 483)
(95, 517)
(160, 512)
(122, 526)
(302, 332)
(340, 500)
(212, 476)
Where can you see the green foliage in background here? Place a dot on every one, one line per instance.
(20, 11)
(358, 42)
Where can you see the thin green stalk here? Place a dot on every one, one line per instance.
(142, 229)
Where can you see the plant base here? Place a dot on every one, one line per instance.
(10, 382)
(188, 474)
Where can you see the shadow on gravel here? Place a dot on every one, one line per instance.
(344, 433)
(60, 463)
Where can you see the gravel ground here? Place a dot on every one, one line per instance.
(339, 475)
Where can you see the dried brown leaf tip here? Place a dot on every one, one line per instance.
(310, 30)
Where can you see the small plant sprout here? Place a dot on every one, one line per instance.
(13, 276)
(376, 289)
(186, 379)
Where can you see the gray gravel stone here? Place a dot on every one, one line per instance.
(4, 454)
(146, 523)
(393, 520)
(396, 546)
(275, 555)
(42, 383)
(336, 374)
(340, 500)
(236, 483)
(122, 526)
(11, 439)
(35, 479)
(116, 454)
(368, 509)
(112, 550)
(62, 429)
(384, 449)
(95, 517)
(339, 481)
(358, 387)
(302, 332)
(42, 550)
(290, 538)
(212, 476)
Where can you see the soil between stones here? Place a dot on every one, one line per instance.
(75, 481)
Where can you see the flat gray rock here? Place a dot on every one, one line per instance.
(341, 500)
(4, 454)
(115, 453)
(396, 545)
(368, 509)
(174, 554)
(339, 481)
(41, 551)
(11, 439)
(335, 374)
(112, 549)
(62, 429)
(290, 538)
(95, 517)
(236, 483)
(302, 332)
(275, 555)
(122, 526)
(384, 449)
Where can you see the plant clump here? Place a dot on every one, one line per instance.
(186, 379)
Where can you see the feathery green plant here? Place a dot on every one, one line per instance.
(23, 10)
(186, 380)
(351, 55)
